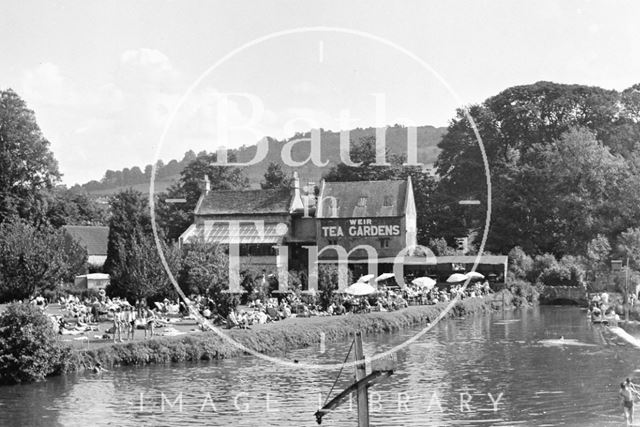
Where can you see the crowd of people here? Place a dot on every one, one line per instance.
(387, 298)
(81, 315)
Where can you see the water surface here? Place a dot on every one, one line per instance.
(542, 366)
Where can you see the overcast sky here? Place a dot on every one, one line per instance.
(103, 77)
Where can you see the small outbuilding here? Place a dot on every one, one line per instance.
(92, 281)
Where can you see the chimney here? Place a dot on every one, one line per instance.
(206, 185)
(296, 184)
(296, 202)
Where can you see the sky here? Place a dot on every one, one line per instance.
(118, 84)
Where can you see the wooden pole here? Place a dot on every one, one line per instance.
(362, 393)
(626, 292)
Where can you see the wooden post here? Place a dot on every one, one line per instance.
(626, 293)
(362, 393)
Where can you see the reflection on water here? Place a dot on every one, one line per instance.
(544, 366)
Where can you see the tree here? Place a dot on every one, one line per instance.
(66, 207)
(364, 152)
(139, 272)
(129, 217)
(598, 250)
(628, 246)
(27, 166)
(520, 264)
(275, 177)
(36, 258)
(29, 350)
(557, 164)
(205, 269)
(440, 247)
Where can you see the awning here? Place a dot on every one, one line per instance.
(243, 234)
(471, 259)
(421, 260)
(405, 260)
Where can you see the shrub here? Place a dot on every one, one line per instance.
(520, 264)
(328, 282)
(524, 293)
(29, 350)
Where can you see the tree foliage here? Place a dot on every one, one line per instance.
(205, 269)
(275, 177)
(562, 167)
(29, 350)
(139, 272)
(129, 218)
(27, 166)
(33, 259)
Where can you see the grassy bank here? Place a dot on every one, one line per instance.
(274, 338)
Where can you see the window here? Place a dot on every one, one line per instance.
(388, 201)
(333, 242)
(362, 202)
(384, 243)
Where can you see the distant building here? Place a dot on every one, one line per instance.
(94, 239)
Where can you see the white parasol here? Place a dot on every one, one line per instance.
(385, 276)
(473, 275)
(366, 278)
(457, 278)
(424, 282)
(360, 289)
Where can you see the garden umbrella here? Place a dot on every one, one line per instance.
(456, 278)
(366, 278)
(424, 282)
(473, 275)
(385, 276)
(360, 289)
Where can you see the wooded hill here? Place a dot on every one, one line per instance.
(396, 140)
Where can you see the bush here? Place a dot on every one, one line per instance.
(29, 350)
(328, 282)
(520, 264)
(524, 293)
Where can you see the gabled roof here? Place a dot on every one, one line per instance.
(93, 238)
(363, 199)
(245, 202)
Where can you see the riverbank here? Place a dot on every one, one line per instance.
(277, 337)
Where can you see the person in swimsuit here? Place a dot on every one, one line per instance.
(627, 402)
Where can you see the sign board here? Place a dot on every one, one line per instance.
(336, 228)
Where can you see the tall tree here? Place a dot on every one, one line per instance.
(556, 163)
(27, 166)
(139, 272)
(129, 218)
(275, 177)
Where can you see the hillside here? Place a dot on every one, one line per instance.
(396, 140)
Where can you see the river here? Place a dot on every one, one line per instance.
(502, 369)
